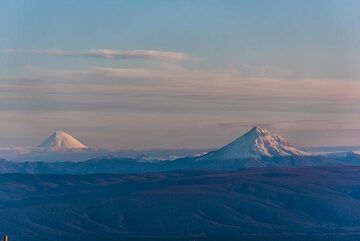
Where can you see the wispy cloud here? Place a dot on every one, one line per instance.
(173, 87)
(290, 125)
(103, 53)
(175, 80)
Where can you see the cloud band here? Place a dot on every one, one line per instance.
(103, 53)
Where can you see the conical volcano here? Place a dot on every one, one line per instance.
(62, 141)
(256, 143)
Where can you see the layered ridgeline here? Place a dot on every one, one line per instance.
(274, 204)
(256, 148)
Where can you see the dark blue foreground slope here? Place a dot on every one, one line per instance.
(320, 203)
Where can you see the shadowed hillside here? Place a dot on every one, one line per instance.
(322, 203)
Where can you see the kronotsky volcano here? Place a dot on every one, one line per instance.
(257, 143)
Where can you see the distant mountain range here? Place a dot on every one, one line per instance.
(257, 148)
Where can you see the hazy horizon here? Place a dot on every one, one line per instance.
(175, 74)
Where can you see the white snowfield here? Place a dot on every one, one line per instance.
(62, 141)
(256, 143)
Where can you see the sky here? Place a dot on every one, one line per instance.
(137, 74)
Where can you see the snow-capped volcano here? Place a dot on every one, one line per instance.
(62, 141)
(256, 143)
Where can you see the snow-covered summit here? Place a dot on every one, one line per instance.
(256, 143)
(61, 140)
